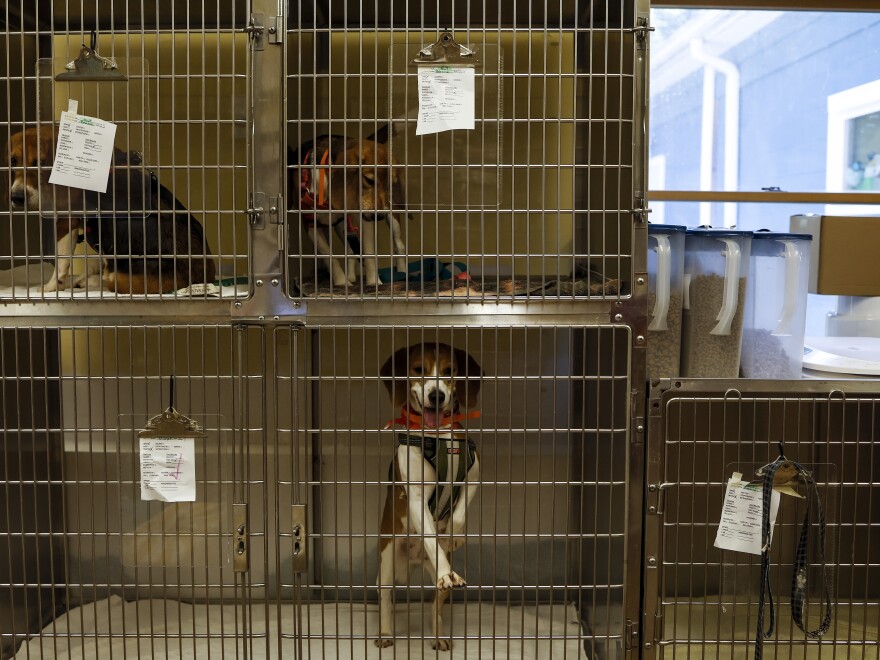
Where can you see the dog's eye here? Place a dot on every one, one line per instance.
(447, 371)
(417, 371)
(369, 179)
(13, 162)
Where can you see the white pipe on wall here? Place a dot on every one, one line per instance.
(731, 123)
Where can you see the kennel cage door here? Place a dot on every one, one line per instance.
(456, 169)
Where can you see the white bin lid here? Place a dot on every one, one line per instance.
(846, 355)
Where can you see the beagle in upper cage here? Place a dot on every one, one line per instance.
(349, 185)
(434, 474)
(147, 241)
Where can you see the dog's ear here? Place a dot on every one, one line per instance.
(394, 375)
(467, 378)
(345, 179)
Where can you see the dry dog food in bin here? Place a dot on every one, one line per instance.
(665, 278)
(716, 267)
(776, 305)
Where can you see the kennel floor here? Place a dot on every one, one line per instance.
(709, 630)
(115, 628)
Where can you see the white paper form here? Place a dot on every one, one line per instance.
(83, 152)
(740, 527)
(446, 99)
(168, 469)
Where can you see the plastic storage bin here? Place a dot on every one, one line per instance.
(776, 305)
(716, 266)
(665, 281)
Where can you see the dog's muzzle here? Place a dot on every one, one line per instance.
(17, 198)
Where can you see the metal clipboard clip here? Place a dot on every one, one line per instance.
(171, 424)
(446, 51)
(91, 67)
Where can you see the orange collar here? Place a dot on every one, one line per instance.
(410, 420)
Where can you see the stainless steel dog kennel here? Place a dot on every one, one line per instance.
(523, 245)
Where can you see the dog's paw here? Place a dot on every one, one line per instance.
(383, 642)
(450, 581)
(441, 645)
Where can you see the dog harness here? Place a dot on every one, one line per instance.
(316, 200)
(437, 447)
(799, 596)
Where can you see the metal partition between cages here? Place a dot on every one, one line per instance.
(702, 601)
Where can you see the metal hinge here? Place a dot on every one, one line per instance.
(254, 29)
(276, 30)
(641, 31)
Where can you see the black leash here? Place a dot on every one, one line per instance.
(799, 596)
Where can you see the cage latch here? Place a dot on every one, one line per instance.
(240, 561)
(256, 208)
(632, 635)
(640, 210)
(300, 553)
(254, 29)
(641, 31)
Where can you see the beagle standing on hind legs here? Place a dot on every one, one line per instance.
(434, 474)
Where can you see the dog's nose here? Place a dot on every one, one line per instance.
(17, 197)
(436, 398)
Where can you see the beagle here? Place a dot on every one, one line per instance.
(147, 240)
(434, 473)
(355, 183)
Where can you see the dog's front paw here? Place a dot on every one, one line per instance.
(383, 642)
(441, 645)
(450, 581)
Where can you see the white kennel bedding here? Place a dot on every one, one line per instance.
(169, 629)
(18, 283)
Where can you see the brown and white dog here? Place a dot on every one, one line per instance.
(148, 241)
(434, 474)
(349, 185)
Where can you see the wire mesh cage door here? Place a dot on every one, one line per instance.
(533, 540)
(133, 485)
(124, 140)
(702, 601)
(527, 196)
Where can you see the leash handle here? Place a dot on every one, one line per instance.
(799, 577)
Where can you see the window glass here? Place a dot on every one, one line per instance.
(750, 100)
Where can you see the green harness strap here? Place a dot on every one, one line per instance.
(436, 452)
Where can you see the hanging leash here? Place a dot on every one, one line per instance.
(783, 470)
